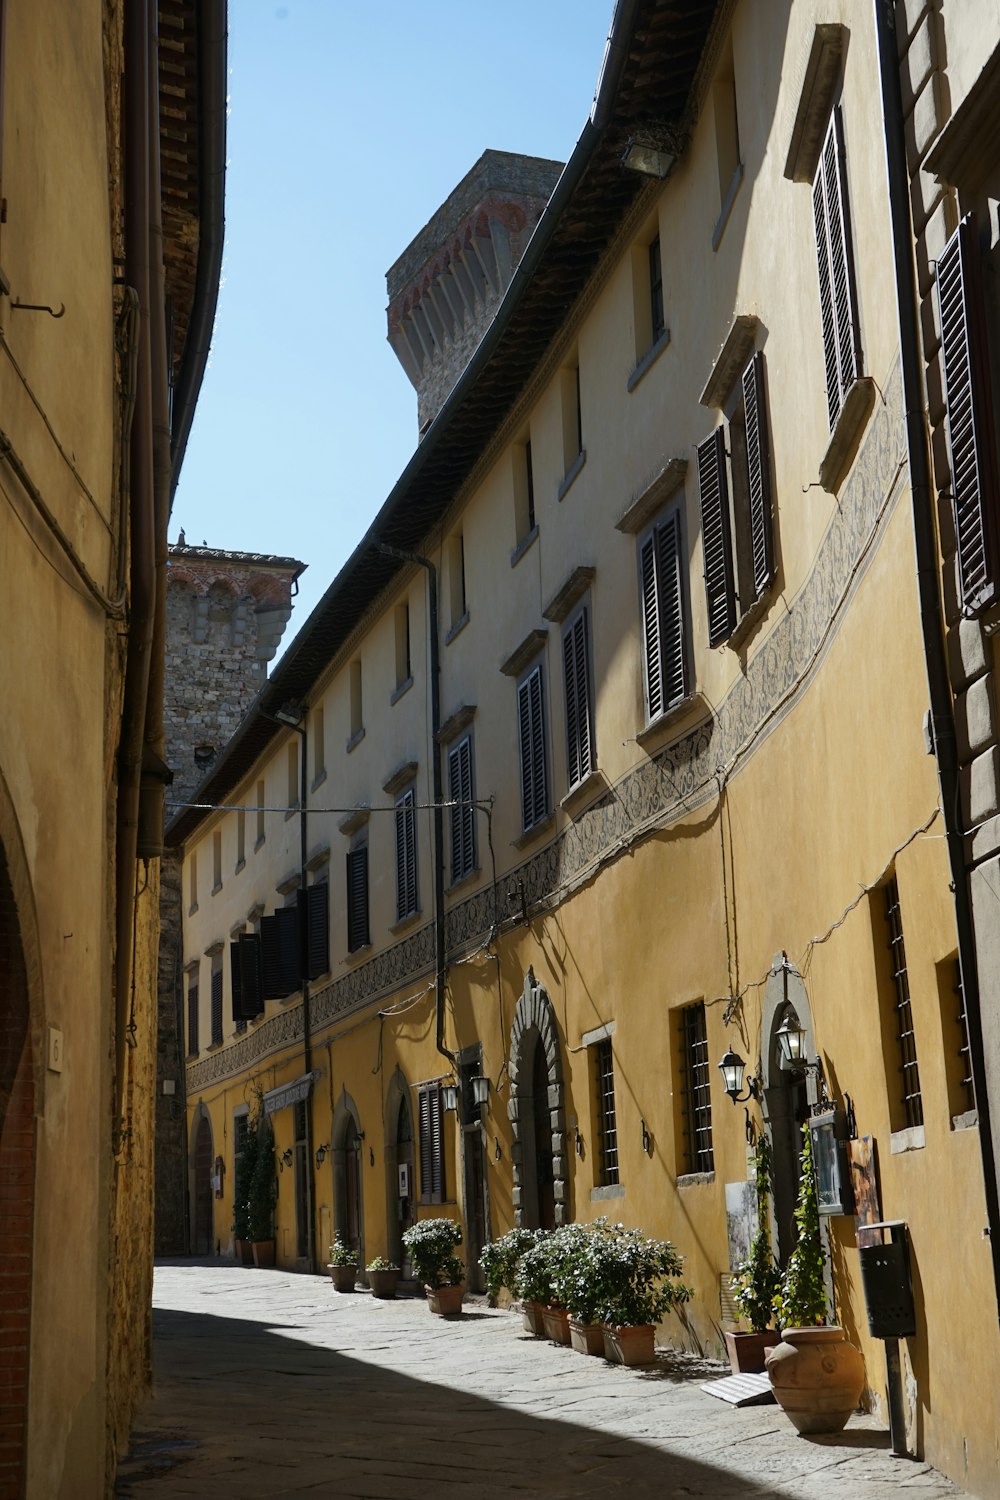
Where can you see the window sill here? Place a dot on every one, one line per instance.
(464, 880)
(727, 206)
(967, 1121)
(691, 709)
(318, 780)
(192, 908)
(602, 1194)
(745, 625)
(215, 1046)
(535, 831)
(647, 361)
(259, 844)
(401, 690)
(406, 922)
(695, 1179)
(240, 864)
(846, 434)
(355, 953)
(571, 473)
(217, 887)
(457, 628)
(355, 740)
(580, 797)
(523, 545)
(906, 1140)
(291, 811)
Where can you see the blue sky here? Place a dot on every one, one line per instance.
(349, 124)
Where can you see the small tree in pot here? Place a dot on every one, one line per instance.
(431, 1244)
(756, 1281)
(638, 1288)
(260, 1202)
(343, 1266)
(500, 1258)
(246, 1162)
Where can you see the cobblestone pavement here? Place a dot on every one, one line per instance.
(271, 1386)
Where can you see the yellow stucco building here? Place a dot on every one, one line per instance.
(97, 236)
(611, 748)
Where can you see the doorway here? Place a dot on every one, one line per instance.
(203, 1218)
(786, 1100)
(536, 1085)
(542, 1121)
(348, 1184)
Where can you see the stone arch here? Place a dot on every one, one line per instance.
(786, 1095)
(347, 1160)
(200, 1181)
(398, 1150)
(537, 1112)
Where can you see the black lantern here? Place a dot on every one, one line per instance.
(732, 1067)
(791, 1039)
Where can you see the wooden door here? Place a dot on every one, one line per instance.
(203, 1226)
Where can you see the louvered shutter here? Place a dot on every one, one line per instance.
(406, 856)
(463, 817)
(281, 954)
(216, 999)
(579, 720)
(357, 898)
(969, 406)
(317, 929)
(717, 540)
(670, 600)
(837, 293)
(431, 1127)
(236, 981)
(270, 958)
(651, 627)
(758, 474)
(531, 732)
(192, 1049)
(251, 988)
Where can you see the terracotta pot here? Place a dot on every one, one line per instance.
(747, 1350)
(446, 1301)
(817, 1378)
(383, 1283)
(244, 1252)
(556, 1321)
(586, 1338)
(343, 1277)
(531, 1317)
(263, 1253)
(628, 1344)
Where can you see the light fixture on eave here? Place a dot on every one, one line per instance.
(652, 151)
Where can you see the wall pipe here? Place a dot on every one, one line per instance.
(925, 542)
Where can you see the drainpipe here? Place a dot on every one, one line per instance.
(922, 499)
(437, 791)
(300, 729)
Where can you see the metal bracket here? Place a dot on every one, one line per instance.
(18, 306)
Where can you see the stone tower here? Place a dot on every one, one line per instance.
(226, 613)
(446, 286)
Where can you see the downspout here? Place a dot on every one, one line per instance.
(437, 791)
(306, 1016)
(922, 499)
(142, 594)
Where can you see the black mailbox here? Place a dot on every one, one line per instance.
(885, 1276)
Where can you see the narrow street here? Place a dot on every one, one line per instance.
(273, 1385)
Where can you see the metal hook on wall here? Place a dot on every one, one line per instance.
(18, 306)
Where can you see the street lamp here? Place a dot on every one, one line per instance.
(480, 1090)
(449, 1095)
(791, 1039)
(732, 1068)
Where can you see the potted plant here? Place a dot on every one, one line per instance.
(637, 1289)
(533, 1283)
(342, 1266)
(431, 1243)
(756, 1280)
(245, 1163)
(260, 1202)
(578, 1282)
(383, 1277)
(816, 1375)
(500, 1259)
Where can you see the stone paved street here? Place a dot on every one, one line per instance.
(273, 1385)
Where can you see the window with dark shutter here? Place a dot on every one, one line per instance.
(662, 584)
(758, 455)
(217, 1005)
(579, 705)
(317, 919)
(247, 986)
(281, 953)
(696, 1068)
(406, 855)
(357, 899)
(969, 404)
(716, 534)
(463, 814)
(431, 1125)
(531, 732)
(837, 292)
(192, 1007)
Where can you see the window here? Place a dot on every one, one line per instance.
(580, 756)
(357, 706)
(956, 1048)
(402, 626)
(241, 838)
(317, 733)
(697, 1092)
(407, 903)
(837, 291)
(661, 577)
(905, 1103)
(216, 861)
(292, 753)
(260, 814)
(456, 579)
(192, 1008)
(463, 813)
(524, 492)
(431, 1125)
(531, 738)
(193, 881)
(737, 518)
(315, 911)
(727, 140)
(216, 1016)
(607, 1130)
(572, 426)
(969, 402)
(357, 898)
(658, 325)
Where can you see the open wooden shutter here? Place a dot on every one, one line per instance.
(970, 406)
(463, 816)
(406, 856)
(192, 1046)
(837, 292)
(317, 929)
(216, 1006)
(579, 719)
(431, 1127)
(670, 595)
(531, 731)
(758, 475)
(651, 627)
(357, 898)
(251, 986)
(281, 953)
(236, 980)
(717, 540)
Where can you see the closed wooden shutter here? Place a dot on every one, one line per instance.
(357, 898)
(531, 731)
(716, 534)
(236, 982)
(406, 856)
(217, 1006)
(651, 627)
(251, 986)
(758, 474)
(579, 713)
(970, 415)
(837, 292)
(192, 1047)
(463, 814)
(317, 929)
(670, 594)
(431, 1126)
(281, 953)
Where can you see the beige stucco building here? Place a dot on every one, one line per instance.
(96, 239)
(612, 746)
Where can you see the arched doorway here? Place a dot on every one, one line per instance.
(203, 1218)
(786, 1097)
(347, 1143)
(400, 1210)
(541, 1187)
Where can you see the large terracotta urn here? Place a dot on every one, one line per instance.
(817, 1377)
